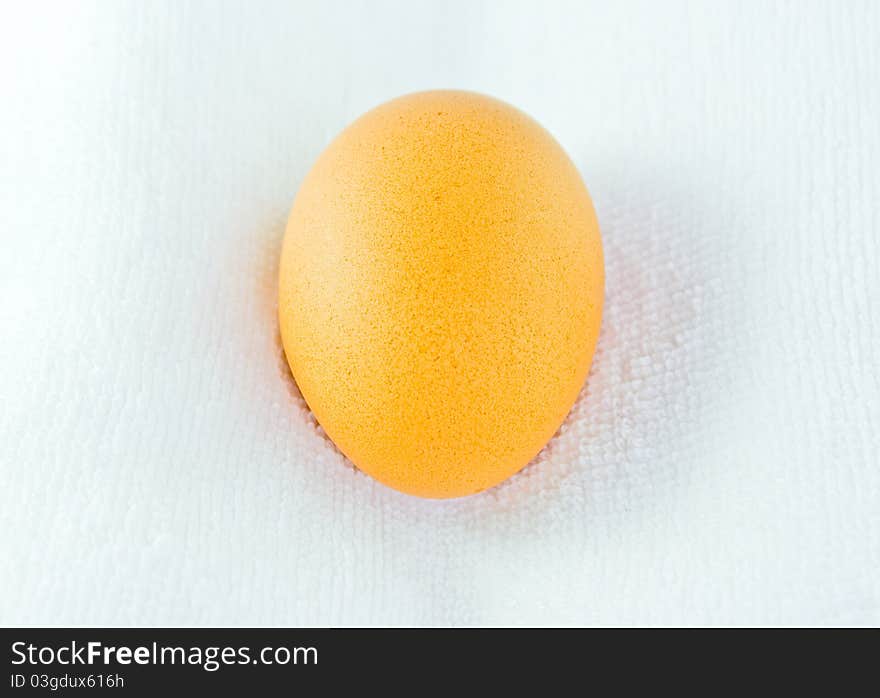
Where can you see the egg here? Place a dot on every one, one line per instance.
(440, 292)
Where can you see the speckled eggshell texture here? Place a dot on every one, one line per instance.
(441, 290)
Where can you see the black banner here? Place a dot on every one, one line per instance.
(147, 661)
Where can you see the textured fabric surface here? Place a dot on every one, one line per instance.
(158, 463)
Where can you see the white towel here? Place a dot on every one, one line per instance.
(159, 467)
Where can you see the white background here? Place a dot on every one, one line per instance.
(158, 464)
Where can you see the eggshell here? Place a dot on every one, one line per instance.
(441, 288)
